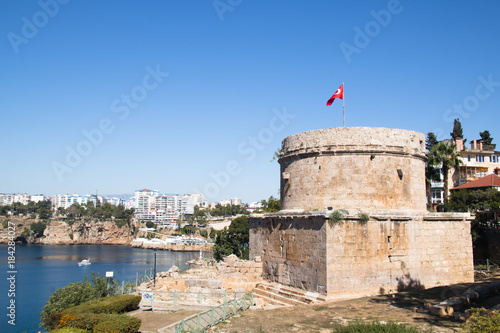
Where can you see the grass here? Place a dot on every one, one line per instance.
(320, 308)
(358, 327)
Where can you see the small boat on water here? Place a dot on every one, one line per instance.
(84, 262)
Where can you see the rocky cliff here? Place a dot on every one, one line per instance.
(61, 232)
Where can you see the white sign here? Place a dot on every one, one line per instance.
(109, 274)
(147, 295)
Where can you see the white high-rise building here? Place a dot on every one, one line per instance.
(146, 204)
(65, 201)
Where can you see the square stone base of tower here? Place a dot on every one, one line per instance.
(363, 255)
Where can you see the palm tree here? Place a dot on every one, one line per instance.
(445, 154)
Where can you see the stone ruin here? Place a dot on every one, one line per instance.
(353, 219)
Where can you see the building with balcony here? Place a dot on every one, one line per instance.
(477, 162)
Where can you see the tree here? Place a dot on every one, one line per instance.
(233, 240)
(445, 154)
(432, 172)
(73, 294)
(430, 141)
(38, 228)
(458, 131)
(271, 205)
(44, 214)
(473, 200)
(487, 140)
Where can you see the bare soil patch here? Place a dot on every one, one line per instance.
(153, 321)
(404, 307)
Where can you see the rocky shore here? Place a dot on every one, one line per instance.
(59, 232)
(62, 232)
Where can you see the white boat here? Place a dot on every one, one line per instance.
(84, 262)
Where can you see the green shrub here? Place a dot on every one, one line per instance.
(363, 218)
(73, 294)
(337, 216)
(69, 330)
(120, 223)
(25, 233)
(5, 224)
(38, 228)
(358, 327)
(110, 304)
(101, 323)
(483, 320)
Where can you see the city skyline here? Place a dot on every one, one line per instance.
(187, 98)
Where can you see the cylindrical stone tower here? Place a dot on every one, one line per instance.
(364, 168)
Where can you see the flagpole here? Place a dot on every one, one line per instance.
(343, 101)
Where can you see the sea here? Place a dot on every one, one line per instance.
(33, 272)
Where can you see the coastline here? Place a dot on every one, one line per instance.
(85, 232)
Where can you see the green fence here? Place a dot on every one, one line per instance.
(128, 287)
(486, 265)
(201, 321)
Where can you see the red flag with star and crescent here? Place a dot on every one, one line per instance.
(338, 94)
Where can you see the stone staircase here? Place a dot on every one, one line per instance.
(279, 294)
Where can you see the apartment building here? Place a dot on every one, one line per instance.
(9, 199)
(66, 200)
(478, 161)
(164, 209)
(146, 204)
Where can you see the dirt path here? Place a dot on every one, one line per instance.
(153, 321)
(324, 317)
(405, 307)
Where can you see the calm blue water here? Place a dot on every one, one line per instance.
(41, 269)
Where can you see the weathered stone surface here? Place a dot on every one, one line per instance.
(363, 168)
(60, 232)
(351, 258)
(232, 274)
(387, 242)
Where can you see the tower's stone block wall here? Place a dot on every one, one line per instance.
(355, 258)
(379, 172)
(362, 168)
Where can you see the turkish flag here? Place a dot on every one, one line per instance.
(338, 94)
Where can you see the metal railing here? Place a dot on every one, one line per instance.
(485, 265)
(201, 321)
(129, 287)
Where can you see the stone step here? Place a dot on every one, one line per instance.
(269, 299)
(276, 296)
(298, 294)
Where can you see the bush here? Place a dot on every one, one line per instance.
(102, 323)
(337, 216)
(120, 223)
(358, 327)
(111, 304)
(483, 320)
(73, 294)
(363, 218)
(38, 228)
(69, 330)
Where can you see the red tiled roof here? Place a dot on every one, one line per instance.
(488, 181)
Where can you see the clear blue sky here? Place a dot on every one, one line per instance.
(211, 124)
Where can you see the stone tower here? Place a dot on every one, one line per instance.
(364, 168)
(353, 217)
